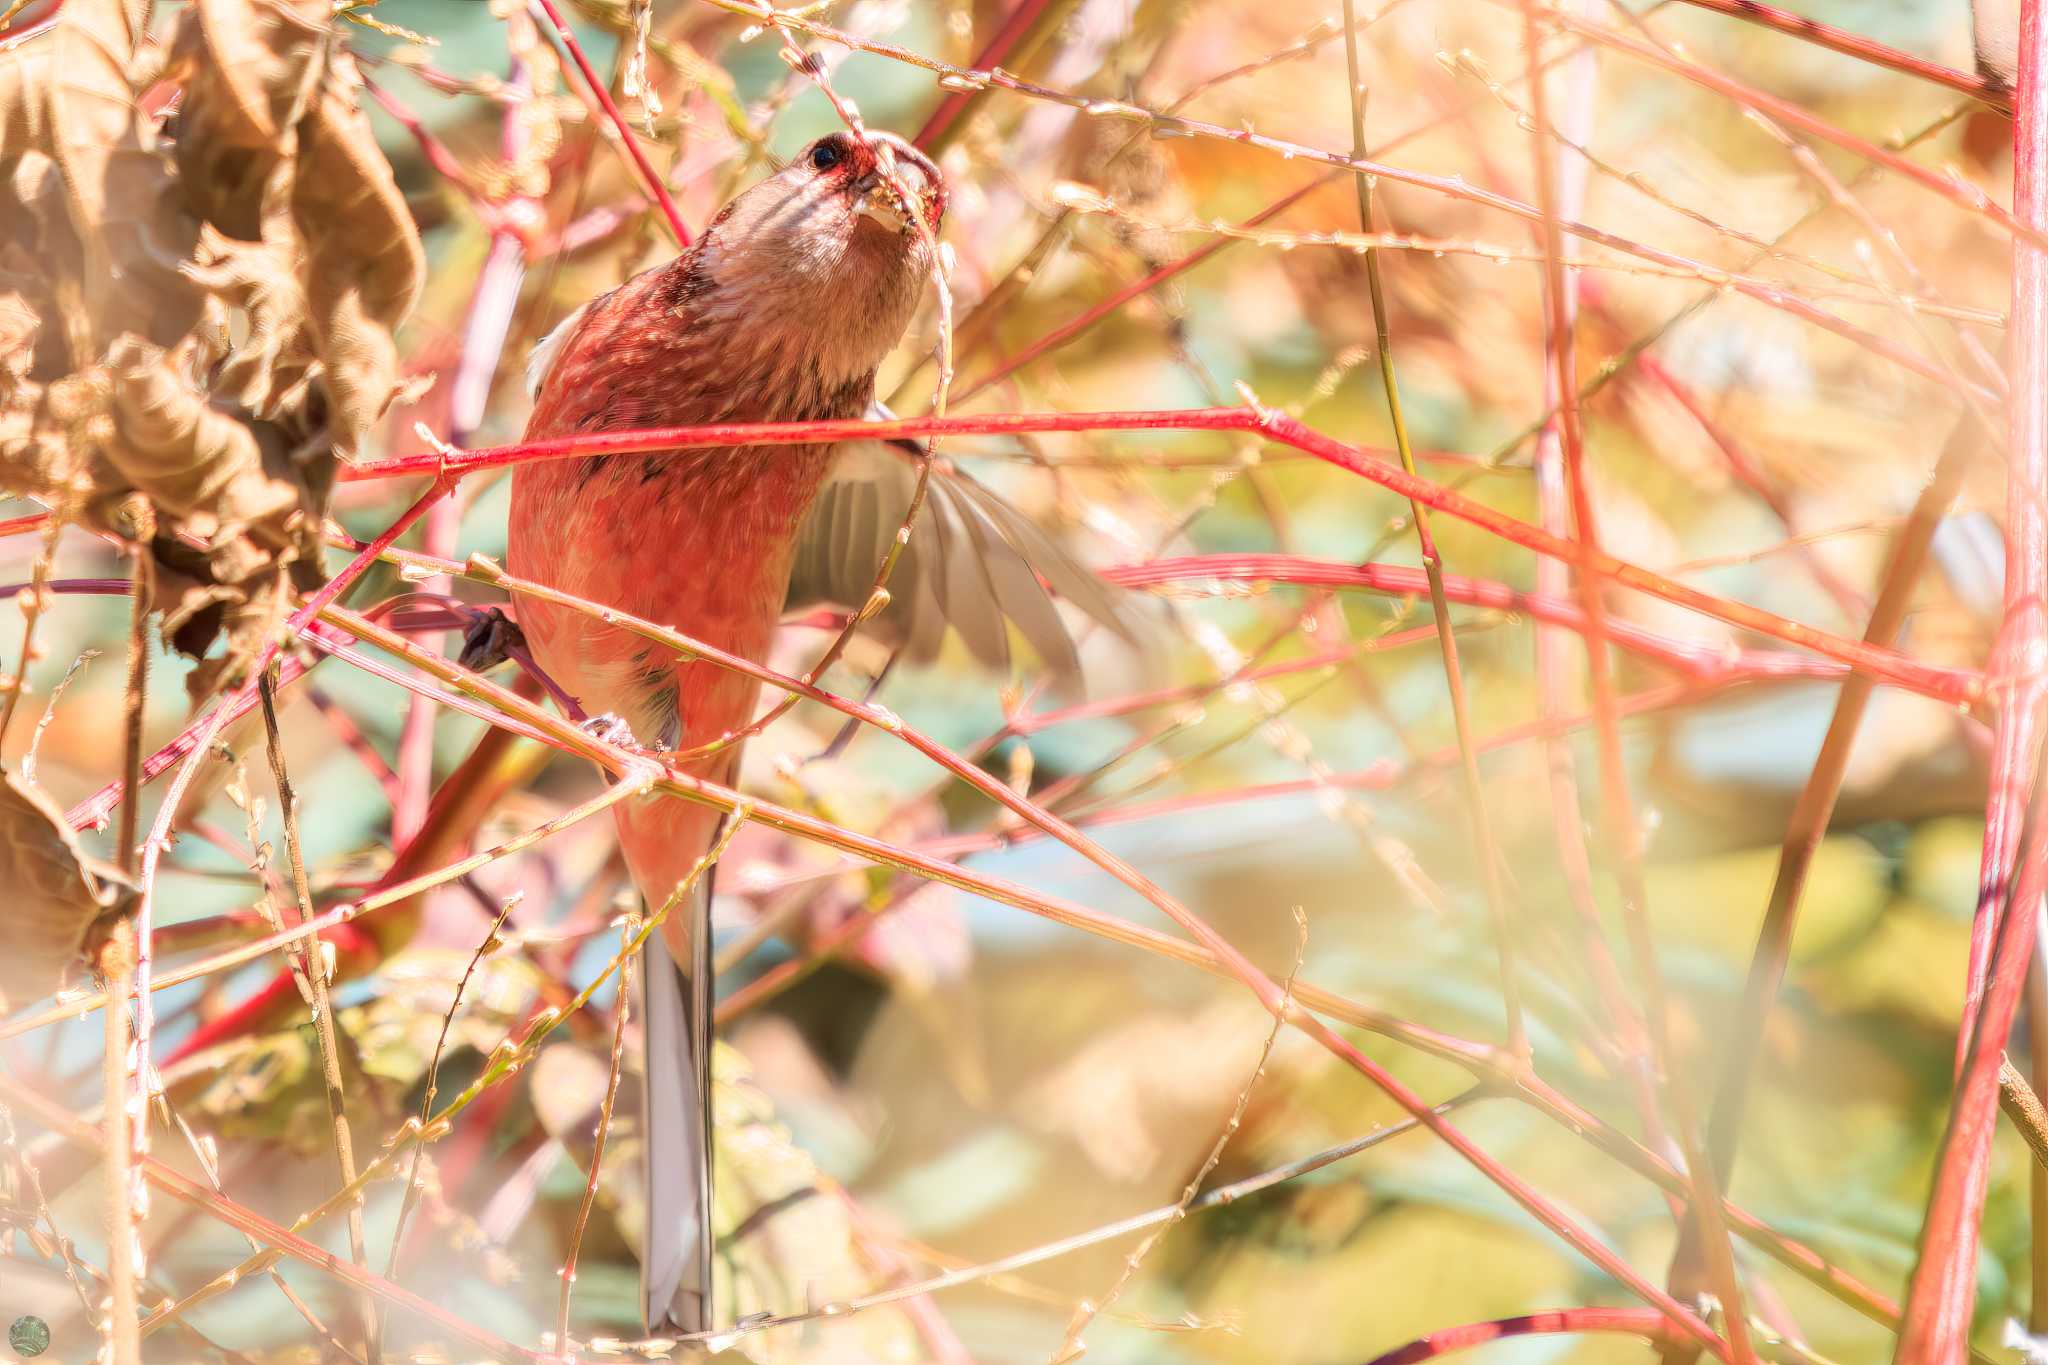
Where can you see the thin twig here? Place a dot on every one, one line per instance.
(315, 970)
(1071, 1346)
(603, 1131)
(1617, 807)
(32, 610)
(1479, 821)
(484, 948)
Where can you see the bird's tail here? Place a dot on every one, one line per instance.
(675, 1263)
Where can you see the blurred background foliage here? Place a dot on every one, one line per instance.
(966, 1081)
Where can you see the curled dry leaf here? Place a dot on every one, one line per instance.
(199, 307)
(134, 231)
(248, 72)
(255, 306)
(190, 457)
(55, 894)
(274, 147)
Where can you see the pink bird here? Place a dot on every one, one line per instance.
(797, 291)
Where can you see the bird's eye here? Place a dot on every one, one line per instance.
(826, 155)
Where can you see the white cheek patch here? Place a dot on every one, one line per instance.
(550, 349)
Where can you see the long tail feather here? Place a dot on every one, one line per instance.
(675, 1265)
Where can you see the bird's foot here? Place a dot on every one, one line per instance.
(489, 639)
(610, 728)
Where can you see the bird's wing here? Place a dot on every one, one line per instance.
(974, 562)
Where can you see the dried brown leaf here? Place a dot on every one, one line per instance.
(186, 454)
(19, 327)
(263, 349)
(55, 893)
(249, 71)
(135, 231)
(274, 147)
(364, 265)
(24, 114)
(42, 451)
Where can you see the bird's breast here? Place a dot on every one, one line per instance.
(700, 541)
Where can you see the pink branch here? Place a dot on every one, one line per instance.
(1016, 25)
(1943, 1292)
(1635, 1322)
(1949, 187)
(1953, 685)
(618, 121)
(1704, 663)
(1857, 46)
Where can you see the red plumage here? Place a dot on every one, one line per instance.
(781, 312)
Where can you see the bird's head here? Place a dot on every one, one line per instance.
(839, 242)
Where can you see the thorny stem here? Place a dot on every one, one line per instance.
(315, 971)
(131, 785)
(1952, 188)
(1617, 803)
(1432, 563)
(1552, 657)
(1023, 29)
(1453, 186)
(125, 1061)
(505, 1061)
(1219, 1197)
(1574, 1118)
(1228, 959)
(1079, 325)
(194, 740)
(1857, 46)
(283, 1242)
(124, 1239)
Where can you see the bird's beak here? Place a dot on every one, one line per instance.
(876, 198)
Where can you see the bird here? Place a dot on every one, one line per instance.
(782, 310)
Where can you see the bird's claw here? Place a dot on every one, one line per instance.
(609, 728)
(489, 640)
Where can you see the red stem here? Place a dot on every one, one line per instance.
(436, 151)
(1952, 685)
(1635, 1322)
(1015, 25)
(1943, 1291)
(618, 121)
(92, 813)
(1951, 188)
(17, 526)
(1857, 46)
(1703, 662)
